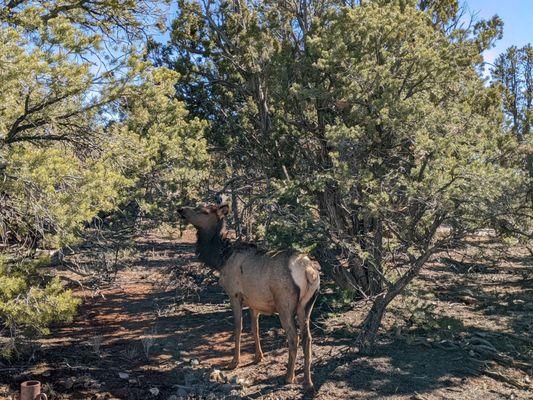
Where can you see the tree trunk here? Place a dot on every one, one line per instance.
(372, 322)
(235, 209)
(350, 271)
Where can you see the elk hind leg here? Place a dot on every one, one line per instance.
(304, 315)
(289, 325)
(255, 331)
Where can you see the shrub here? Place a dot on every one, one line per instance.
(28, 309)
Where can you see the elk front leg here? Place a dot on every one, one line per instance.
(236, 306)
(255, 331)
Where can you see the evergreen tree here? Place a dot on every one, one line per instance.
(380, 142)
(513, 70)
(71, 80)
(86, 127)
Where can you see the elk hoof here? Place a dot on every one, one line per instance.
(289, 379)
(258, 359)
(309, 388)
(233, 364)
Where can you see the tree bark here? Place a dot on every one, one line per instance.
(350, 271)
(369, 327)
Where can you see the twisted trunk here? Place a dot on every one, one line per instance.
(350, 271)
(372, 322)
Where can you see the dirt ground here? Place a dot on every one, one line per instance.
(154, 324)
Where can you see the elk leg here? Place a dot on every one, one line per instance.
(236, 306)
(287, 321)
(255, 332)
(304, 314)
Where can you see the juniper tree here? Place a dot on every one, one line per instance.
(71, 77)
(369, 121)
(86, 128)
(513, 72)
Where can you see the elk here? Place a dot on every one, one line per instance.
(286, 283)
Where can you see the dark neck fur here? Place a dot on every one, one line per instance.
(212, 247)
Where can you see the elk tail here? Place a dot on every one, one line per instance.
(306, 276)
(312, 274)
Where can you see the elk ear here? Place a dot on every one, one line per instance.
(222, 211)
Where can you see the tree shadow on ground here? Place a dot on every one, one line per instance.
(147, 333)
(505, 301)
(395, 369)
(126, 320)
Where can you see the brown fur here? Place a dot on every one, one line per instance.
(286, 284)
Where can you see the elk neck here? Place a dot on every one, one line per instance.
(212, 246)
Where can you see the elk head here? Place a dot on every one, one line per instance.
(212, 246)
(208, 220)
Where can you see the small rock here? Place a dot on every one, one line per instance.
(217, 376)
(69, 383)
(227, 387)
(132, 381)
(123, 375)
(527, 379)
(154, 391)
(195, 361)
(46, 373)
(468, 299)
(243, 382)
(271, 333)
(238, 383)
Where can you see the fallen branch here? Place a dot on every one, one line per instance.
(500, 377)
(476, 371)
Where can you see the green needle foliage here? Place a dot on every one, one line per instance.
(158, 146)
(86, 125)
(27, 309)
(513, 70)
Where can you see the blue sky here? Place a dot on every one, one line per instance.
(517, 16)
